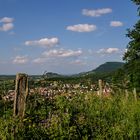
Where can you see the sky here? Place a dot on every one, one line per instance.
(63, 36)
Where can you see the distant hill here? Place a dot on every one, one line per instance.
(104, 71)
(51, 75)
(108, 67)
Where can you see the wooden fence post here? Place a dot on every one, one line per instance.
(100, 87)
(135, 94)
(21, 92)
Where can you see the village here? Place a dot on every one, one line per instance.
(68, 90)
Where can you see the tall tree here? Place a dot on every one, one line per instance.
(132, 55)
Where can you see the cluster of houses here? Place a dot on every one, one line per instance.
(67, 90)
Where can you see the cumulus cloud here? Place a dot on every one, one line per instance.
(44, 42)
(55, 54)
(7, 24)
(82, 28)
(20, 60)
(108, 51)
(62, 53)
(116, 23)
(6, 27)
(6, 20)
(97, 12)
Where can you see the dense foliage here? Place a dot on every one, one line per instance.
(84, 116)
(132, 56)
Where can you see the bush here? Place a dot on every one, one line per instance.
(83, 116)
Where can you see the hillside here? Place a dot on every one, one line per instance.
(51, 75)
(108, 67)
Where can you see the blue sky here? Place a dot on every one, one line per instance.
(63, 36)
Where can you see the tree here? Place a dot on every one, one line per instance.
(137, 2)
(132, 55)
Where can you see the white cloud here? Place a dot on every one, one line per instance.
(6, 20)
(20, 60)
(97, 12)
(62, 53)
(116, 23)
(82, 28)
(44, 42)
(7, 24)
(108, 51)
(6, 27)
(55, 54)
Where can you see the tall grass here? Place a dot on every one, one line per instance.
(83, 116)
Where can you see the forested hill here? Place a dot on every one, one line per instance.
(104, 68)
(108, 67)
